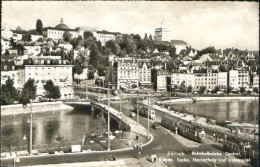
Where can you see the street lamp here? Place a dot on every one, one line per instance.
(108, 118)
(31, 128)
(148, 113)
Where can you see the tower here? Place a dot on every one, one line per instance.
(162, 33)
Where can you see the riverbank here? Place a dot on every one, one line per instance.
(192, 99)
(36, 107)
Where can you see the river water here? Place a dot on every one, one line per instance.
(242, 111)
(70, 125)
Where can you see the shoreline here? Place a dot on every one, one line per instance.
(36, 108)
(206, 99)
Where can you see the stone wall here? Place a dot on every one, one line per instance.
(36, 107)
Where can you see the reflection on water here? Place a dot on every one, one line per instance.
(236, 110)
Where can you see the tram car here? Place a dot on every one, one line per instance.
(241, 146)
(184, 128)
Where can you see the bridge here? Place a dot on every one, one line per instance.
(119, 117)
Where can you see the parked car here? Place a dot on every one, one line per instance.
(155, 125)
(133, 114)
(115, 98)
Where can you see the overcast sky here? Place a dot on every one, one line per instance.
(200, 24)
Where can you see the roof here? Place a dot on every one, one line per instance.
(179, 42)
(62, 26)
(107, 32)
(214, 56)
(60, 29)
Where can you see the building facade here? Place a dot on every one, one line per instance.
(161, 80)
(42, 73)
(162, 33)
(223, 79)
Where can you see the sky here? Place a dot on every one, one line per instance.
(200, 24)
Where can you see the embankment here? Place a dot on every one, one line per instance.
(208, 98)
(36, 107)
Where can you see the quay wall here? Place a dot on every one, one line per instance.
(207, 99)
(36, 107)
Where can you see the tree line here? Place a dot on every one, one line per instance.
(10, 95)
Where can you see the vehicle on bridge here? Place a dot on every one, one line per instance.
(184, 128)
(143, 111)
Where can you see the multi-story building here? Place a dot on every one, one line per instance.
(34, 50)
(6, 34)
(239, 78)
(161, 80)
(42, 73)
(256, 80)
(104, 36)
(179, 45)
(127, 74)
(162, 33)
(5, 45)
(209, 80)
(222, 79)
(144, 67)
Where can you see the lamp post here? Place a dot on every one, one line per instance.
(137, 110)
(255, 119)
(108, 118)
(31, 128)
(148, 113)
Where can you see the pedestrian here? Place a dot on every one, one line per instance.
(139, 154)
(214, 136)
(129, 142)
(141, 146)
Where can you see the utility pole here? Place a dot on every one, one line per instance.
(170, 97)
(108, 119)
(255, 119)
(31, 128)
(137, 108)
(148, 113)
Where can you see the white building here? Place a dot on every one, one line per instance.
(61, 75)
(179, 78)
(161, 80)
(104, 36)
(223, 79)
(162, 33)
(209, 80)
(6, 34)
(179, 45)
(5, 45)
(66, 46)
(256, 80)
(239, 78)
(127, 74)
(83, 75)
(144, 72)
(36, 37)
(34, 50)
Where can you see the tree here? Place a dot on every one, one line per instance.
(39, 26)
(229, 89)
(242, 89)
(256, 89)
(101, 70)
(189, 89)
(93, 56)
(26, 37)
(113, 46)
(88, 34)
(202, 89)
(77, 69)
(183, 87)
(28, 92)
(150, 37)
(67, 36)
(145, 36)
(74, 42)
(51, 91)
(216, 89)
(91, 75)
(9, 93)
(134, 86)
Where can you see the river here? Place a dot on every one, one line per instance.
(242, 111)
(71, 125)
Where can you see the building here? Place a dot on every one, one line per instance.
(6, 34)
(256, 80)
(161, 80)
(42, 73)
(222, 79)
(104, 36)
(208, 80)
(5, 45)
(127, 74)
(179, 78)
(33, 50)
(162, 33)
(239, 78)
(179, 45)
(56, 33)
(144, 67)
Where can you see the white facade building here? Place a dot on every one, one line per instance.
(161, 81)
(162, 33)
(43, 73)
(223, 79)
(209, 80)
(34, 50)
(144, 72)
(239, 78)
(6, 34)
(5, 45)
(256, 80)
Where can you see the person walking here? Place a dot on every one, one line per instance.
(129, 142)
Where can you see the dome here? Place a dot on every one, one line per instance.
(62, 25)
